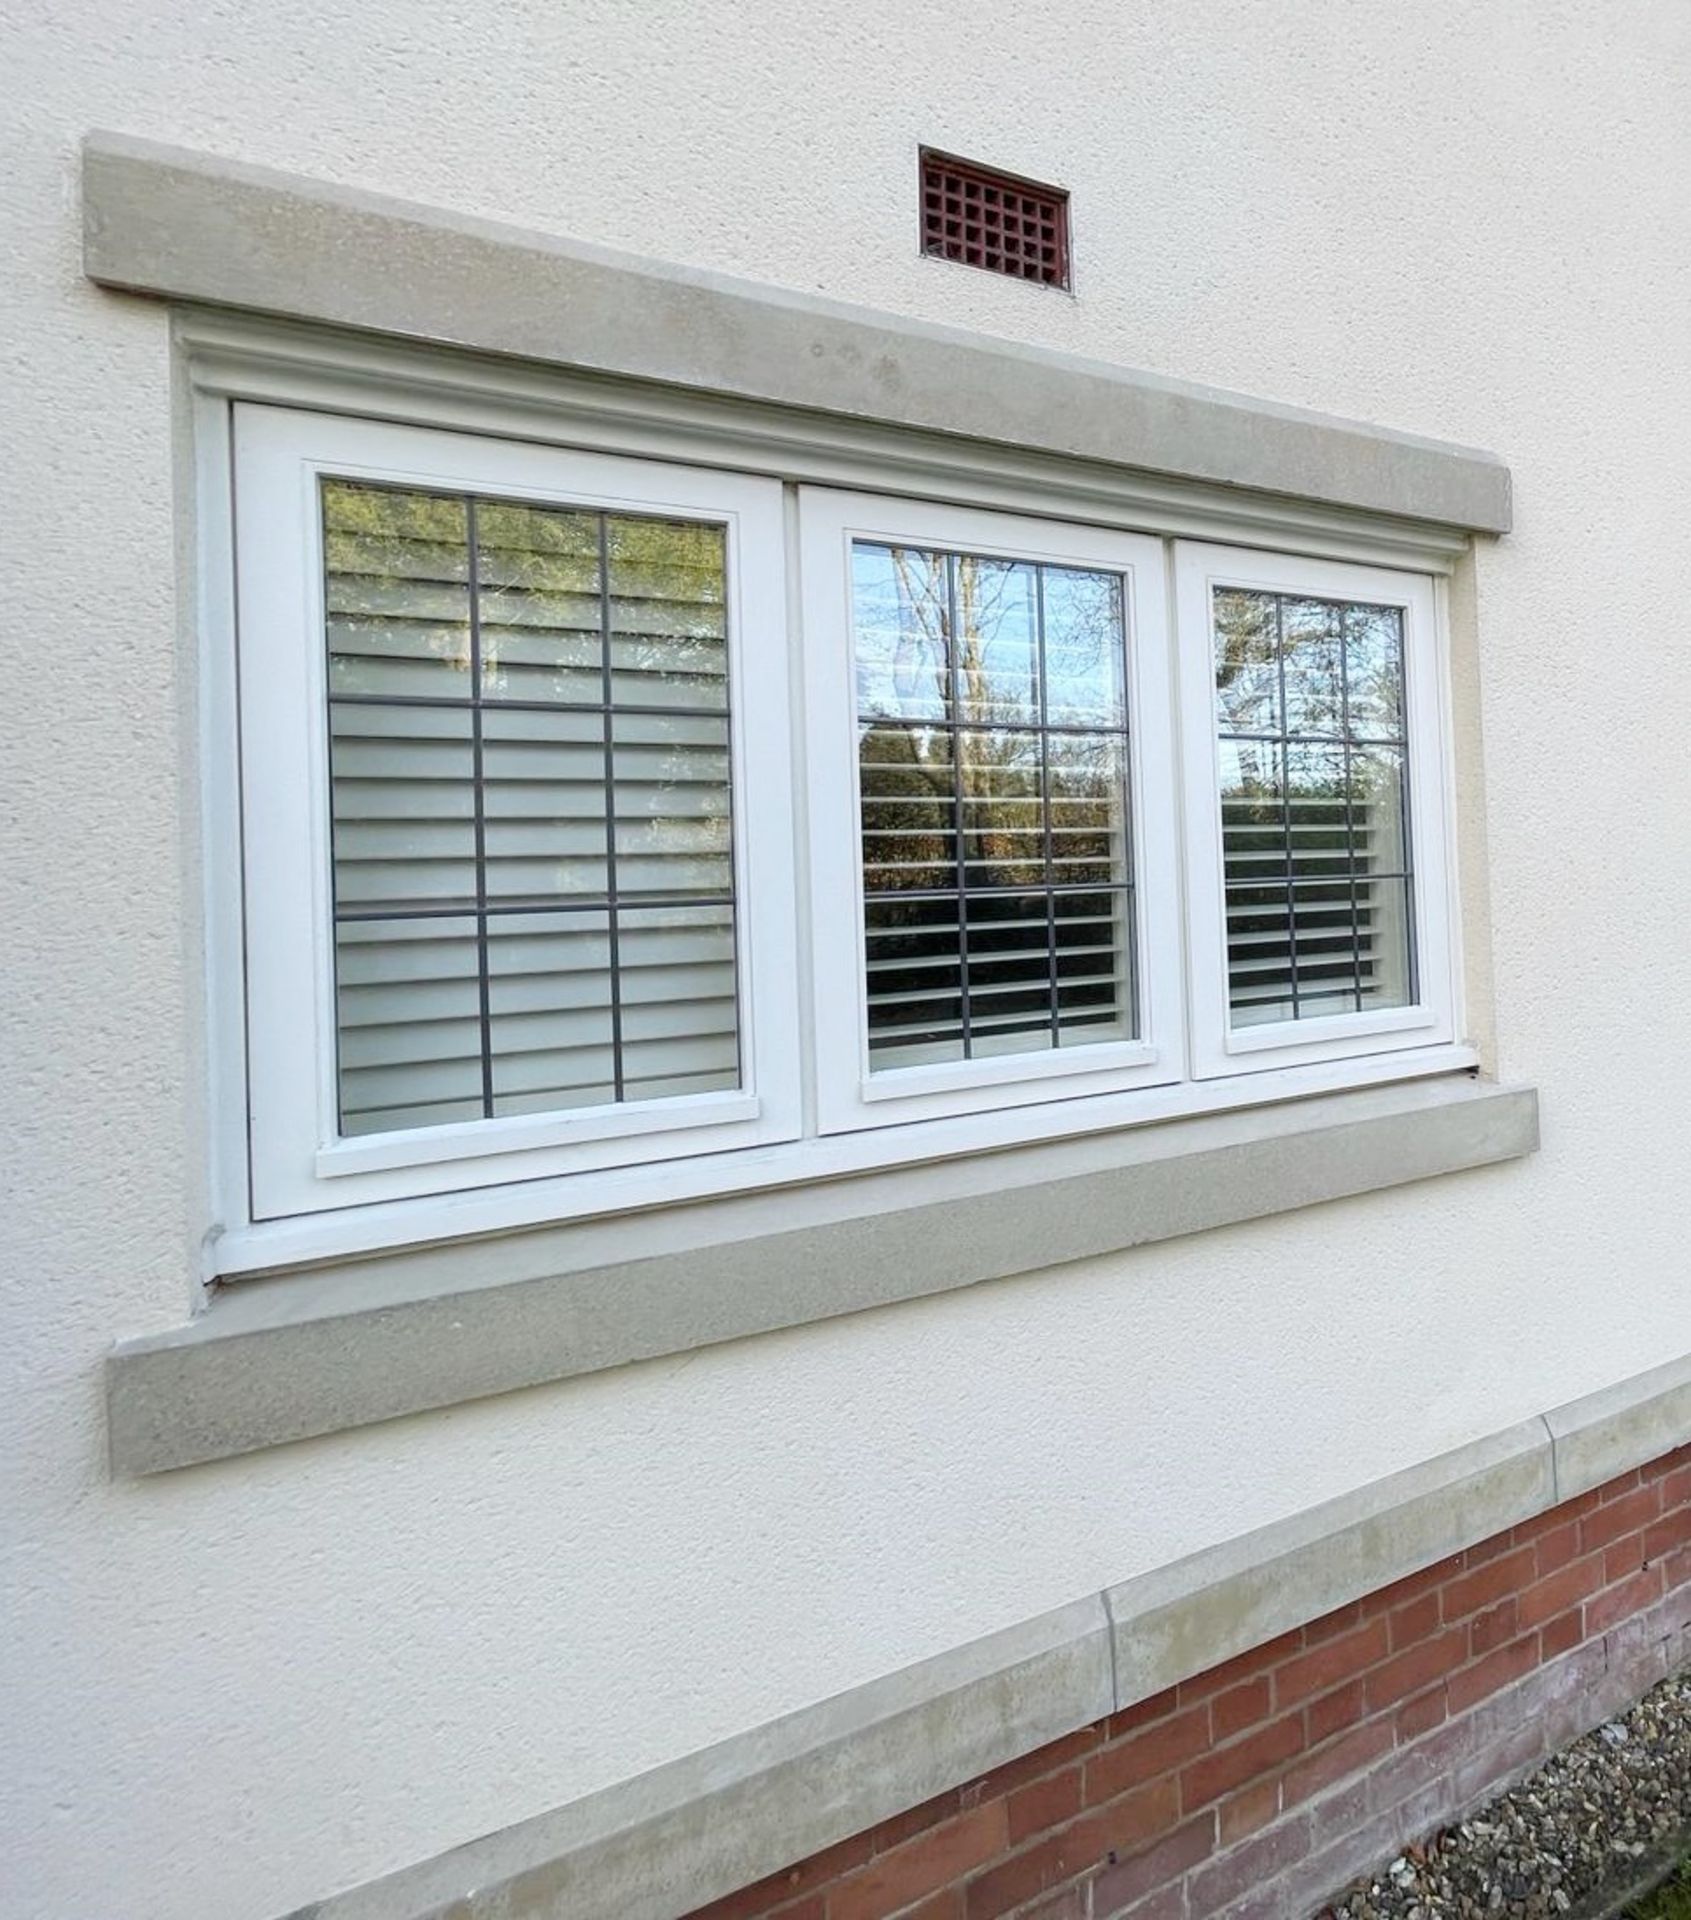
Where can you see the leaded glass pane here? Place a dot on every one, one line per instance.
(1314, 811)
(531, 800)
(993, 779)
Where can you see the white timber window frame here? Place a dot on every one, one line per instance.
(270, 419)
(1428, 1013)
(300, 1161)
(850, 1094)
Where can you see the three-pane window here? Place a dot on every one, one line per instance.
(599, 814)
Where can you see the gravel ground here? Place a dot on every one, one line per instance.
(1574, 1838)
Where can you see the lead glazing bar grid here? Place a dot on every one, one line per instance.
(471, 809)
(995, 832)
(1315, 803)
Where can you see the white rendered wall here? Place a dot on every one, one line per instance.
(233, 1689)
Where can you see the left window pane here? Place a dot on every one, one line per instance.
(531, 807)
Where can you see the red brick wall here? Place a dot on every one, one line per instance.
(1262, 1786)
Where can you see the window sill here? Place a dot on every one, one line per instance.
(346, 1344)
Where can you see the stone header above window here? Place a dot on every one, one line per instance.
(194, 227)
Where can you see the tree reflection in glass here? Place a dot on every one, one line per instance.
(531, 806)
(1309, 709)
(992, 731)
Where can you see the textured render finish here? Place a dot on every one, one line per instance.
(233, 1690)
(229, 1382)
(661, 1844)
(198, 227)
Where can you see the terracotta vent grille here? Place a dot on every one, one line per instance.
(994, 220)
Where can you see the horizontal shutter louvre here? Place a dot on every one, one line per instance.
(992, 776)
(1313, 806)
(529, 762)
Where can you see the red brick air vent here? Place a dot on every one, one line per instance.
(994, 220)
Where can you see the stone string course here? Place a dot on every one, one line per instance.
(1258, 1790)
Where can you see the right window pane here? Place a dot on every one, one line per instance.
(1314, 806)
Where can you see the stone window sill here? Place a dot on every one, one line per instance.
(344, 1344)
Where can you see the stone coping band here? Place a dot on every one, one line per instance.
(195, 227)
(344, 1344)
(658, 1845)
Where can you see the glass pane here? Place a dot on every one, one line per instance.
(1313, 666)
(1002, 809)
(680, 1021)
(1253, 810)
(915, 979)
(1324, 930)
(550, 1018)
(1386, 962)
(1247, 661)
(908, 790)
(543, 802)
(1094, 947)
(408, 1001)
(513, 848)
(1377, 809)
(998, 642)
(1317, 811)
(669, 632)
(402, 789)
(537, 571)
(901, 625)
(396, 591)
(1085, 649)
(1259, 955)
(1374, 672)
(1010, 976)
(1086, 775)
(1314, 813)
(1025, 795)
(672, 799)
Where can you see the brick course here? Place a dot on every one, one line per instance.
(1256, 1789)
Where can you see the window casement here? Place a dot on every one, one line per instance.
(518, 893)
(1318, 895)
(609, 824)
(991, 786)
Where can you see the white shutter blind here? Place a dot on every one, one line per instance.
(992, 758)
(529, 761)
(1313, 806)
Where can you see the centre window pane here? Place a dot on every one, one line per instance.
(532, 840)
(1314, 806)
(993, 781)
